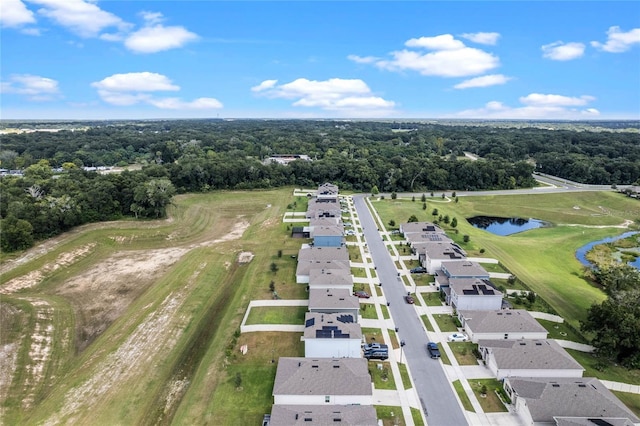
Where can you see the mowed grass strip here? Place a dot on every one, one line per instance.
(277, 315)
(466, 403)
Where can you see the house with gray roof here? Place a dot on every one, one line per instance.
(331, 336)
(327, 236)
(322, 381)
(473, 294)
(419, 228)
(323, 415)
(528, 358)
(459, 269)
(432, 254)
(333, 301)
(501, 324)
(331, 278)
(566, 401)
(310, 258)
(316, 209)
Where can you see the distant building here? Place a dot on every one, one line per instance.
(332, 336)
(322, 415)
(501, 324)
(333, 301)
(285, 159)
(473, 294)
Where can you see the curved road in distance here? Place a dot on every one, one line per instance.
(439, 403)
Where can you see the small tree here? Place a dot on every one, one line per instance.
(443, 196)
(456, 199)
(432, 193)
(413, 198)
(483, 390)
(466, 238)
(392, 223)
(424, 206)
(453, 194)
(274, 267)
(272, 286)
(279, 253)
(447, 219)
(394, 195)
(424, 198)
(412, 218)
(375, 190)
(238, 380)
(454, 222)
(531, 297)
(434, 212)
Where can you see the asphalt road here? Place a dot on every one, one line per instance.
(438, 400)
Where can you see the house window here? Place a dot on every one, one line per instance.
(327, 399)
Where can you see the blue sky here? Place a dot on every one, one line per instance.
(83, 59)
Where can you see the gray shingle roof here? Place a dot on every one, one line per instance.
(569, 397)
(585, 421)
(323, 415)
(530, 354)
(323, 253)
(305, 267)
(337, 298)
(319, 325)
(421, 227)
(440, 250)
(504, 321)
(331, 230)
(473, 287)
(464, 268)
(331, 276)
(322, 376)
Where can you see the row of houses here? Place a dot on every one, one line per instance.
(542, 379)
(331, 384)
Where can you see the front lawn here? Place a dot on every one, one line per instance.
(490, 402)
(432, 298)
(446, 322)
(463, 352)
(277, 315)
(390, 415)
(382, 375)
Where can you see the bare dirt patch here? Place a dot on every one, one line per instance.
(245, 257)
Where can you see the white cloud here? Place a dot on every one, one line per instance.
(152, 18)
(84, 18)
(158, 38)
(484, 81)
(538, 99)
(536, 106)
(482, 38)
(14, 13)
(441, 42)
(449, 58)
(363, 59)
(138, 87)
(350, 96)
(267, 84)
(618, 41)
(34, 87)
(560, 51)
(175, 103)
(136, 81)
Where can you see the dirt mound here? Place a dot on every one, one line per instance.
(245, 257)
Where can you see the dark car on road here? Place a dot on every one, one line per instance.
(361, 294)
(433, 350)
(409, 300)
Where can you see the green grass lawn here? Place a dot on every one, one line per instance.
(446, 322)
(432, 298)
(466, 403)
(493, 267)
(561, 331)
(373, 335)
(406, 380)
(417, 417)
(490, 402)
(368, 311)
(443, 355)
(422, 279)
(382, 375)
(604, 369)
(631, 400)
(427, 323)
(277, 315)
(385, 312)
(390, 415)
(463, 352)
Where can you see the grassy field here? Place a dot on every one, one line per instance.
(137, 322)
(544, 259)
(277, 315)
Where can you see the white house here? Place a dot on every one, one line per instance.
(310, 415)
(333, 301)
(322, 381)
(459, 269)
(473, 294)
(331, 336)
(501, 324)
(432, 254)
(528, 358)
(565, 401)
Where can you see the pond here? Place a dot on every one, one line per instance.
(581, 253)
(506, 225)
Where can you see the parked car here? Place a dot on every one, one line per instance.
(361, 294)
(458, 337)
(418, 270)
(433, 350)
(409, 300)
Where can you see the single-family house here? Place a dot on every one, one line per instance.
(323, 415)
(501, 324)
(420, 228)
(473, 294)
(325, 221)
(316, 209)
(459, 269)
(333, 301)
(528, 358)
(432, 254)
(327, 236)
(331, 278)
(331, 336)
(566, 401)
(327, 193)
(318, 258)
(322, 381)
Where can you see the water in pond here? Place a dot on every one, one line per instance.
(505, 225)
(581, 253)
